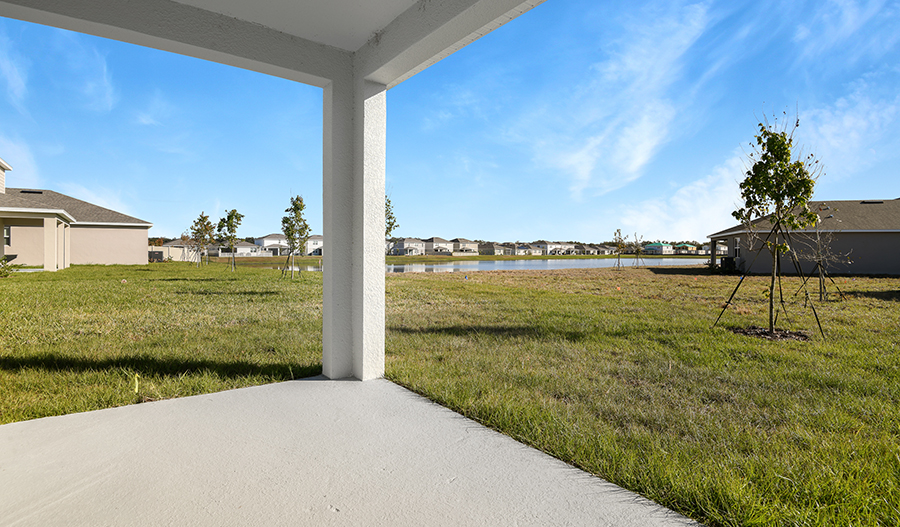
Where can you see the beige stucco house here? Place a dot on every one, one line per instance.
(49, 229)
(862, 237)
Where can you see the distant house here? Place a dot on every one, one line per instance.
(867, 232)
(49, 229)
(523, 249)
(585, 249)
(721, 249)
(436, 245)
(533, 250)
(177, 251)
(409, 247)
(464, 246)
(605, 249)
(685, 248)
(275, 243)
(494, 249)
(566, 248)
(659, 248)
(243, 249)
(315, 245)
(548, 248)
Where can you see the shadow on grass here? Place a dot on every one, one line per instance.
(500, 331)
(163, 367)
(251, 293)
(191, 279)
(683, 271)
(893, 296)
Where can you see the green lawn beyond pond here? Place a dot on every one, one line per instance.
(617, 372)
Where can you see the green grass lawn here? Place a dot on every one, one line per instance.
(93, 337)
(621, 373)
(617, 372)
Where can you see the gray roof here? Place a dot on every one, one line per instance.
(866, 215)
(80, 211)
(436, 239)
(461, 240)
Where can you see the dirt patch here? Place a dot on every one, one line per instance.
(779, 334)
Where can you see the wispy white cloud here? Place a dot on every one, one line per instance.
(458, 101)
(614, 124)
(88, 72)
(848, 28)
(14, 72)
(694, 210)
(25, 172)
(854, 132)
(157, 111)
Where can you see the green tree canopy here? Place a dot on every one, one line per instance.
(202, 235)
(295, 228)
(778, 186)
(227, 230)
(390, 221)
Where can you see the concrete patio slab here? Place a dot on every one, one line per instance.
(310, 452)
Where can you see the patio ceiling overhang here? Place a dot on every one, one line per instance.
(355, 50)
(310, 41)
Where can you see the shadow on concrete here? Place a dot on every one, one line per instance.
(163, 367)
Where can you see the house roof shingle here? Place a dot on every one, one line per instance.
(81, 211)
(850, 215)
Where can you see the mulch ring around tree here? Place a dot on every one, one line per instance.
(779, 334)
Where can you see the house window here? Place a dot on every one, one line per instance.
(737, 247)
(6, 236)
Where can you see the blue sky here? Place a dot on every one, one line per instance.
(574, 120)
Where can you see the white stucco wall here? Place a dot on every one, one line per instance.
(108, 245)
(26, 241)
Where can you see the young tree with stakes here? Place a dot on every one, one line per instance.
(202, 236)
(621, 244)
(189, 246)
(227, 230)
(295, 229)
(780, 187)
(638, 246)
(390, 221)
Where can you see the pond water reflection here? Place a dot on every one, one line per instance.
(524, 265)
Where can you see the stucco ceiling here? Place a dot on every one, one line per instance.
(345, 24)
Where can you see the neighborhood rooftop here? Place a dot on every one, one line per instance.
(844, 215)
(80, 211)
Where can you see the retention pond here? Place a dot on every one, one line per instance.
(526, 265)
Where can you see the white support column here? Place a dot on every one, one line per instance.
(355, 129)
(50, 244)
(67, 248)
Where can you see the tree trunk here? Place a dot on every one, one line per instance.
(292, 265)
(774, 251)
(821, 283)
